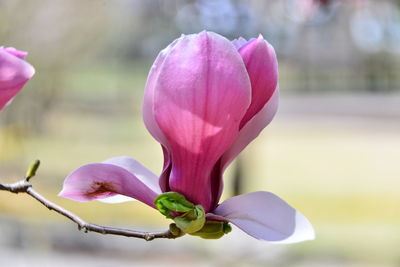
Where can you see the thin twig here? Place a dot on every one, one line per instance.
(25, 186)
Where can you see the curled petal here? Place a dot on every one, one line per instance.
(14, 73)
(247, 134)
(252, 129)
(139, 171)
(15, 52)
(103, 180)
(265, 216)
(164, 177)
(201, 94)
(262, 66)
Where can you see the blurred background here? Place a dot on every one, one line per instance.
(332, 151)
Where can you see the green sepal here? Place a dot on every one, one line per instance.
(213, 230)
(191, 221)
(170, 202)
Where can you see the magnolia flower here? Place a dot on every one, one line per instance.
(206, 99)
(14, 73)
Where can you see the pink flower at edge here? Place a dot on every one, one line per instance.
(206, 99)
(15, 72)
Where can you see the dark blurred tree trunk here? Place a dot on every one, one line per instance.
(238, 178)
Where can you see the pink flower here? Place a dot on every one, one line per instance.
(206, 99)
(14, 73)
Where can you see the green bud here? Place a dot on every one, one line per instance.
(213, 230)
(33, 167)
(170, 202)
(188, 217)
(191, 221)
(215, 235)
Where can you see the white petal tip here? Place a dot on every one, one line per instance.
(304, 231)
(116, 199)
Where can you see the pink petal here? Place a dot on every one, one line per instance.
(139, 171)
(252, 129)
(15, 52)
(201, 94)
(265, 216)
(262, 66)
(247, 134)
(103, 180)
(148, 101)
(142, 173)
(14, 73)
(148, 112)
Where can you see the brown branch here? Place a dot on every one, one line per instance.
(25, 186)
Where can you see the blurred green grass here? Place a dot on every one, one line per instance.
(344, 179)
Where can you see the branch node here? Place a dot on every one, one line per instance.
(18, 187)
(148, 237)
(82, 228)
